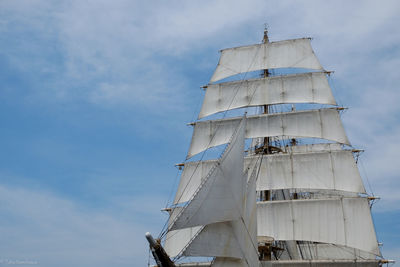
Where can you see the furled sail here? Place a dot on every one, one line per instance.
(331, 170)
(296, 53)
(321, 123)
(321, 263)
(228, 262)
(324, 251)
(310, 87)
(344, 221)
(217, 198)
(322, 147)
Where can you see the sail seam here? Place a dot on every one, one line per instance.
(333, 170)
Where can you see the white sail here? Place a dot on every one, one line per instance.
(296, 53)
(322, 123)
(192, 176)
(232, 238)
(235, 239)
(217, 198)
(248, 236)
(298, 88)
(335, 170)
(215, 240)
(345, 221)
(177, 240)
(212, 240)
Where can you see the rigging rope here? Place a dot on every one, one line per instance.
(366, 176)
(165, 228)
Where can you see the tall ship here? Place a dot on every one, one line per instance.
(286, 190)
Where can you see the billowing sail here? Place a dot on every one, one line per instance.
(218, 239)
(248, 233)
(296, 53)
(215, 240)
(232, 240)
(336, 170)
(195, 171)
(223, 233)
(344, 221)
(298, 88)
(332, 170)
(192, 176)
(217, 198)
(322, 123)
(177, 240)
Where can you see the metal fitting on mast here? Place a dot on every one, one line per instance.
(265, 39)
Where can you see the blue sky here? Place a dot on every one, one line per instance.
(95, 97)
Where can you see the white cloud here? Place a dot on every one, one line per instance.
(129, 46)
(146, 54)
(52, 231)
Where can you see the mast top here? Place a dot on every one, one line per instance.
(265, 39)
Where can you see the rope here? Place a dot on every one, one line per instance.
(206, 179)
(235, 200)
(172, 190)
(164, 229)
(366, 176)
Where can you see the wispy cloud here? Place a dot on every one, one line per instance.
(52, 231)
(150, 57)
(121, 52)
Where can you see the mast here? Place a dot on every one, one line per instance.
(266, 148)
(265, 248)
(266, 194)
